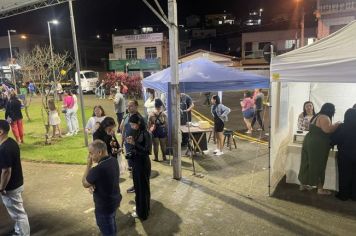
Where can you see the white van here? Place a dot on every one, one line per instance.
(88, 79)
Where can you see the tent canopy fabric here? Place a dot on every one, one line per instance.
(202, 75)
(9, 5)
(331, 59)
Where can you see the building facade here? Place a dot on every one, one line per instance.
(253, 43)
(139, 53)
(332, 15)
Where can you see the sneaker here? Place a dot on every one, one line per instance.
(69, 134)
(131, 190)
(216, 151)
(219, 153)
(248, 132)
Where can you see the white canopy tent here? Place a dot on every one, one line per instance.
(321, 72)
(14, 7)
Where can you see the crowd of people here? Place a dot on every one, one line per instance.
(322, 135)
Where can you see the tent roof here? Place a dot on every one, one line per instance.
(331, 59)
(202, 75)
(14, 7)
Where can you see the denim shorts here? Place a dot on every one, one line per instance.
(248, 114)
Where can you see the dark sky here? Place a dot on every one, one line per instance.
(102, 16)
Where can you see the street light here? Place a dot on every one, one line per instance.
(300, 3)
(10, 64)
(54, 22)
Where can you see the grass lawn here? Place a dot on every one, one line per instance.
(70, 150)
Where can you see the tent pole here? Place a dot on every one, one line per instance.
(270, 124)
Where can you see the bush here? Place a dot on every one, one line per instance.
(133, 83)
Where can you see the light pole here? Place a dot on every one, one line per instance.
(301, 21)
(55, 22)
(10, 64)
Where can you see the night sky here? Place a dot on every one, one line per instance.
(102, 16)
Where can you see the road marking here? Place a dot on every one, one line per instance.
(89, 210)
(241, 136)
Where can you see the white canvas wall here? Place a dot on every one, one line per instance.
(287, 104)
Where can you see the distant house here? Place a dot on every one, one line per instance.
(143, 53)
(219, 58)
(283, 41)
(332, 15)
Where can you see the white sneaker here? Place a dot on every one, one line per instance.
(69, 134)
(219, 153)
(216, 151)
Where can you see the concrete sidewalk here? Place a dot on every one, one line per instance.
(231, 199)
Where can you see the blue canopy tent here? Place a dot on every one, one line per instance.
(202, 75)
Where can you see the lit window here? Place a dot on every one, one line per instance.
(131, 53)
(150, 52)
(310, 41)
(289, 44)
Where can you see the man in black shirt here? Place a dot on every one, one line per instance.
(11, 180)
(103, 181)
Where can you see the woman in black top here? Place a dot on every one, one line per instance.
(106, 133)
(13, 115)
(141, 170)
(345, 139)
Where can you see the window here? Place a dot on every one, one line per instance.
(91, 75)
(131, 53)
(262, 45)
(150, 52)
(289, 44)
(248, 46)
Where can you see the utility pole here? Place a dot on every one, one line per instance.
(302, 37)
(76, 54)
(11, 59)
(172, 23)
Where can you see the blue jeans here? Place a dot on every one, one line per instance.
(106, 223)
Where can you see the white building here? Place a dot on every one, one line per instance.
(139, 53)
(332, 15)
(283, 41)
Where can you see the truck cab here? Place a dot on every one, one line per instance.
(88, 79)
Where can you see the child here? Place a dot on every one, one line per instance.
(53, 118)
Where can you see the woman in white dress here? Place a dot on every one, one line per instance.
(97, 118)
(53, 118)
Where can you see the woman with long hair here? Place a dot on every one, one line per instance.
(315, 150)
(219, 112)
(106, 133)
(70, 113)
(158, 126)
(141, 169)
(97, 117)
(13, 115)
(305, 117)
(53, 118)
(345, 139)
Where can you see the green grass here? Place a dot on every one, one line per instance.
(70, 150)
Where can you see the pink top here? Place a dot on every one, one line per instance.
(247, 103)
(68, 102)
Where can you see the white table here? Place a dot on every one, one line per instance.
(293, 164)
